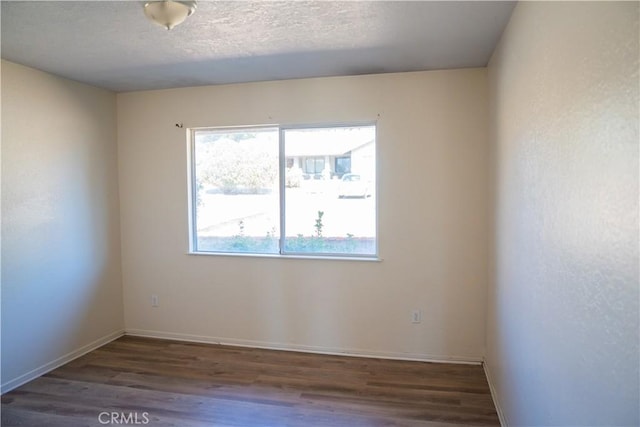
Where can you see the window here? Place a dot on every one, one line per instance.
(284, 190)
(314, 165)
(343, 165)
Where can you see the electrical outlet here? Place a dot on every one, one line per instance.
(416, 316)
(155, 301)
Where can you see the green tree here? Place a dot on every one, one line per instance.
(241, 165)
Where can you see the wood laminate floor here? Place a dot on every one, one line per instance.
(168, 383)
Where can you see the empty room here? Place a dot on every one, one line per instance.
(320, 213)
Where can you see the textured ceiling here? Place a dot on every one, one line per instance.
(113, 45)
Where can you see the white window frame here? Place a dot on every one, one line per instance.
(192, 196)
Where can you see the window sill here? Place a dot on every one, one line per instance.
(290, 256)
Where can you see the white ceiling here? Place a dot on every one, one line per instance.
(113, 45)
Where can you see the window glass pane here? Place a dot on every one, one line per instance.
(309, 166)
(333, 212)
(236, 190)
(343, 165)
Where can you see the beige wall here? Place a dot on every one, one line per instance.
(432, 152)
(562, 332)
(61, 278)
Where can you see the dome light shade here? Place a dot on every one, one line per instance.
(169, 13)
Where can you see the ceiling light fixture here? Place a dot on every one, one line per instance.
(169, 13)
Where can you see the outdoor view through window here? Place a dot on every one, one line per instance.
(325, 203)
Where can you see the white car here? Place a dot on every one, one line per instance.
(352, 185)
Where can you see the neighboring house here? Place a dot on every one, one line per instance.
(329, 159)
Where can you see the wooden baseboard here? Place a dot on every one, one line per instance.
(305, 348)
(494, 395)
(50, 366)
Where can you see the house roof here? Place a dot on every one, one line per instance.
(301, 148)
